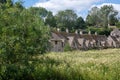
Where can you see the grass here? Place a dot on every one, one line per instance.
(79, 65)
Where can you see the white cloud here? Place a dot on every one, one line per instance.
(56, 5)
(81, 7)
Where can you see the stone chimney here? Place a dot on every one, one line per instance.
(89, 32)
(81, 32)
(95, 33)
(76, 31)
(58, 29)
(67, 31)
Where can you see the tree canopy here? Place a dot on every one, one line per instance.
(42, 12)
(3, 1)
(80, 23)
(50, 20)
(22, 35)
(66, 19)
(101, 17)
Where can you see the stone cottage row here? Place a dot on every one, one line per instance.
(80, 41)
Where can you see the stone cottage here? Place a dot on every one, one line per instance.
(114, 39)
(60, 39)
(93, 41)
(77, 41)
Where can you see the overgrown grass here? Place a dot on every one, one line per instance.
(79, 65)
(75, 65)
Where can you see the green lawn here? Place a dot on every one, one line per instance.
(79, 65)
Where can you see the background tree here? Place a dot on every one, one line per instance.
(66, 19)
(118, 24)
(80, 23)
(101, 17)
(18, 4)
(113, 20)
(89, 21)
(94, 18)
(9, 3)
(50, 20)
(42, 12)
(3, 1)
(107, 11)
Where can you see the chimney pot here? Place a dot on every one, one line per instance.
(58, 29)
(67, 31)
(81, 32)
(89, 32)
(95, 33)
(76, 31)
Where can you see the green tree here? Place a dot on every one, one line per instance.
(50, 20)
(118, 24)
(80, 23)
(3, 1)
(66, 19)
(94, 18)
(18, 4)
(107, 11)
(102, 16)
(42, 12)
(113, 20)
(9, 3)
(22, 35)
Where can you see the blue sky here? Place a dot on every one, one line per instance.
(81, 7)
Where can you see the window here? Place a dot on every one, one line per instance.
(56, 42)
(62, 44)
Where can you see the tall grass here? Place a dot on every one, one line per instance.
(79, 65)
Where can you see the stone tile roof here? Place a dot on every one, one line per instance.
(94, 37)
(64, 35)
(115, 32)
(57, 35)
(114, 38)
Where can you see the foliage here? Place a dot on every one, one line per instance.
(118, 24)
(94, 17)
(83, 65)
(113, 20)
(22, 35)
(101, 17)
(66, 19)
(50, 20)
(80, 23)
(19, 5)
(100, 31)
(3, 1)
(79, 65)
(67, 47)
(41, 12)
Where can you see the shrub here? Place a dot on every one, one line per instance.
(67, 47)
(22, 35)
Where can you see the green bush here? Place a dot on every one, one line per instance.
(22, 35)
(118, 25)
(67, 47)
(100, 31)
